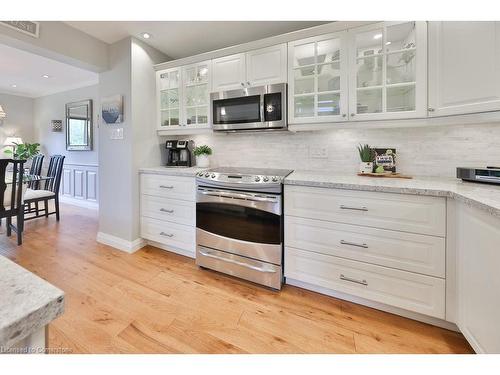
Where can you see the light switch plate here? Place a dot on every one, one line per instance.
(318, 152)
(116, 133)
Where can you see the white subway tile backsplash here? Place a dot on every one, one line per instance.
(425, 151)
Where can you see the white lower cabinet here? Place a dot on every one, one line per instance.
(407, 290)
(478, 274)
(168, 212)
(382, 247)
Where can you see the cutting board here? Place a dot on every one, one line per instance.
(385, 175)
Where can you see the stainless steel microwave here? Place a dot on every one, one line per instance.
(250, 108)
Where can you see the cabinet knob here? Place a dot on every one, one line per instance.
(248, 83)
(344, 115)
(353, 114)
(242, 84)
(431, 109)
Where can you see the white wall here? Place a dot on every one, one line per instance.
(52, 107)
(428, 151)
(19, 120)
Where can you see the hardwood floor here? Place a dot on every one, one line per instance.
(154, 301)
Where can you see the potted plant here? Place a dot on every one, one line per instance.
(202, 153)
(24, 151)
(366, 154)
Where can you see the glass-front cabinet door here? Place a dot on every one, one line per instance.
(317, 79)
(196, 80)
(388, 71)
(168, 87)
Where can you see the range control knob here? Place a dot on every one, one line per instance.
(213, 175)
(207, 174)
(275, 179)
(266, 179)
(257, 179)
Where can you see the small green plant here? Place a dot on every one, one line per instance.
(24, 151)
(202, 150)
(366, 153)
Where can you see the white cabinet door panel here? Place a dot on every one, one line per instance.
(410, 291)
(464, 67)
(405, 251)
(408, 213)
(478, 273)
(168, 233)
(266, 66)
(228, 72)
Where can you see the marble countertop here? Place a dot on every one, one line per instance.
(27, 302)
(485, 197)
(172, 171)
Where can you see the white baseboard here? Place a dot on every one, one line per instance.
(120, 243)
(186, 253)
(78, 202)
(376, 305)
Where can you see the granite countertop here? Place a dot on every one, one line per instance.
(485, 197)
(172, 171)
(27, 303)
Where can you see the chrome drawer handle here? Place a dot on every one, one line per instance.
(166, 234)
(167, 211)
(166, 186)
(260, 269)
(342, 207)
(362, 282)
(363, 245)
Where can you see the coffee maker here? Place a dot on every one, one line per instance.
(179, 153)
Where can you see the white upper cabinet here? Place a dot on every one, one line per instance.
(183, 97)
(266, 66)
(388, 71)
(255, 68)
(317, 79)
(229, 72)
(464, 67)
(168, 86)
(196, 86)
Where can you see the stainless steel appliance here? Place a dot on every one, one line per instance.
(179, 153)
(239, 223)
(487, 175)
(250, 108)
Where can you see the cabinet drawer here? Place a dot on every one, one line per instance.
(169, 234)
(173, 187)
(178, 211)
(402, 212)
(405, 251)
(410, 291)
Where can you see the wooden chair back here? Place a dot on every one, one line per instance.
(55, 171)
(36, 169)
(16, 190)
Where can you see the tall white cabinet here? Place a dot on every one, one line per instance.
(464, 67)
(478, 260)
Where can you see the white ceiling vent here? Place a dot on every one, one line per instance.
(27, 27)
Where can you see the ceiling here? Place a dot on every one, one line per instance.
(25, 70)
(179, 39)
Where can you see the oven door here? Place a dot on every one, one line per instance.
(242, 223)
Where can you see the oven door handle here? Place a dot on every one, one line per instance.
(248, 197)
(260, 269)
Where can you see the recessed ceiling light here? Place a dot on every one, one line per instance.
(46, 76)
(387, 43)
(377, 36)
(146, 35)
(14, 86)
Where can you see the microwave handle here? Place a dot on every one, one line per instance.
(262, 97)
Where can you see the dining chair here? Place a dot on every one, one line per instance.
(36, 170)
(12, 188)
(49, 191)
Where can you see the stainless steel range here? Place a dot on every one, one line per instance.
(239, 223)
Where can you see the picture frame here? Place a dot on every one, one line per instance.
(112, 109)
